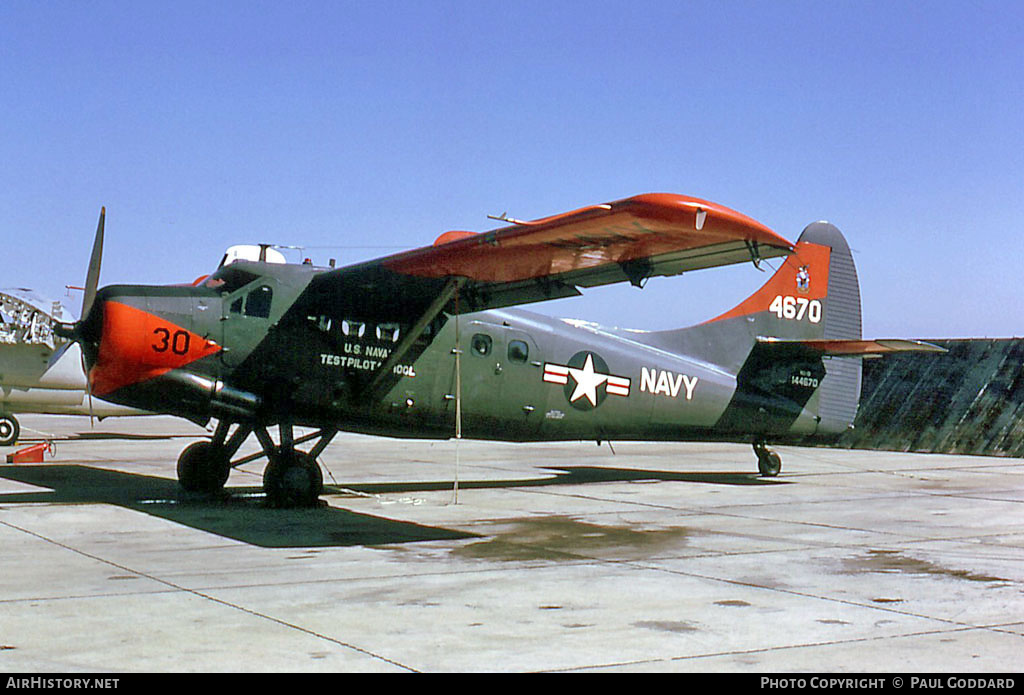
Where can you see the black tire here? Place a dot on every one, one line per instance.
(293, 480)
(203, 468)
(769, 464)
(9, 430)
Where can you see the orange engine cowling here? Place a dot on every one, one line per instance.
(136, 345)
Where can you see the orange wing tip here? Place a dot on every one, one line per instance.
(675, 207)
(669, 207)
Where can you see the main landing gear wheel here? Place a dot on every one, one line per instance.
(293, 480)
(9, 430)
(203, 467)
(769, 464)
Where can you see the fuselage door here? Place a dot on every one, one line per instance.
(522, 389)
(501, 377)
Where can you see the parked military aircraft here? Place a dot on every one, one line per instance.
(423, 344)
(40, 372)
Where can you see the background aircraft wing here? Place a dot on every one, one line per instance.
(628, 240)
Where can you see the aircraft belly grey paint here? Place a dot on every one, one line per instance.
(423, 344)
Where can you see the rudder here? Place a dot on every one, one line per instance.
(839, 394)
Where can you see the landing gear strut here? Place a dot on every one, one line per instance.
(292, 478)
(768, 462)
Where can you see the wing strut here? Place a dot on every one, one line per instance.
(376, 387)
(755, 254)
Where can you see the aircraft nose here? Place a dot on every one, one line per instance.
(134, 344)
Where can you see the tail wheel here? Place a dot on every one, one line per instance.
(769, 464)
(293, 480)
(203, 467)
(9, 430)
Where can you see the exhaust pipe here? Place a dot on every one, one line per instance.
(213, 396)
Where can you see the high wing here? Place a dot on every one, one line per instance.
(633, 239)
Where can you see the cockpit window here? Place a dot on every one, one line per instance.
(228, 279)
(257, 304)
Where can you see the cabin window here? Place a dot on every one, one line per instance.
(481, 344)
(353, 329)
(257, 304)
(388, 331)
(322, 323)
(518, 351)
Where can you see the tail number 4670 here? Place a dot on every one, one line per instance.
(796, 308)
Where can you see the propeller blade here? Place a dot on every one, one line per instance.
(88, 390)
(92, 279)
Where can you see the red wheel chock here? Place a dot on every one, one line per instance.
(31, 454)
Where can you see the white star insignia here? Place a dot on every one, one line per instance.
(587, 381)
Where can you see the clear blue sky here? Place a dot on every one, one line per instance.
(368, 127)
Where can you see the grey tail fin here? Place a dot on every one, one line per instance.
(839, 393)
(814, 296)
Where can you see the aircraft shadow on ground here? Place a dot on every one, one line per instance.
(242, 514)
(574, 475)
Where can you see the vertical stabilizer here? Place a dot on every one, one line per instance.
(814, 295)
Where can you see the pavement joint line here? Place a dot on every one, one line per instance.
(697, 575)
(748, 517)
(208, 597)
(884, 608)
(587, 559)
(777, 648)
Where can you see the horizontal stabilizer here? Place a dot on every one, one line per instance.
(850, 348)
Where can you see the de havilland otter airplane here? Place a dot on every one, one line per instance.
(423, 343)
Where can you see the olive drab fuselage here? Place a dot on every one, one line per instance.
(524, 376)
